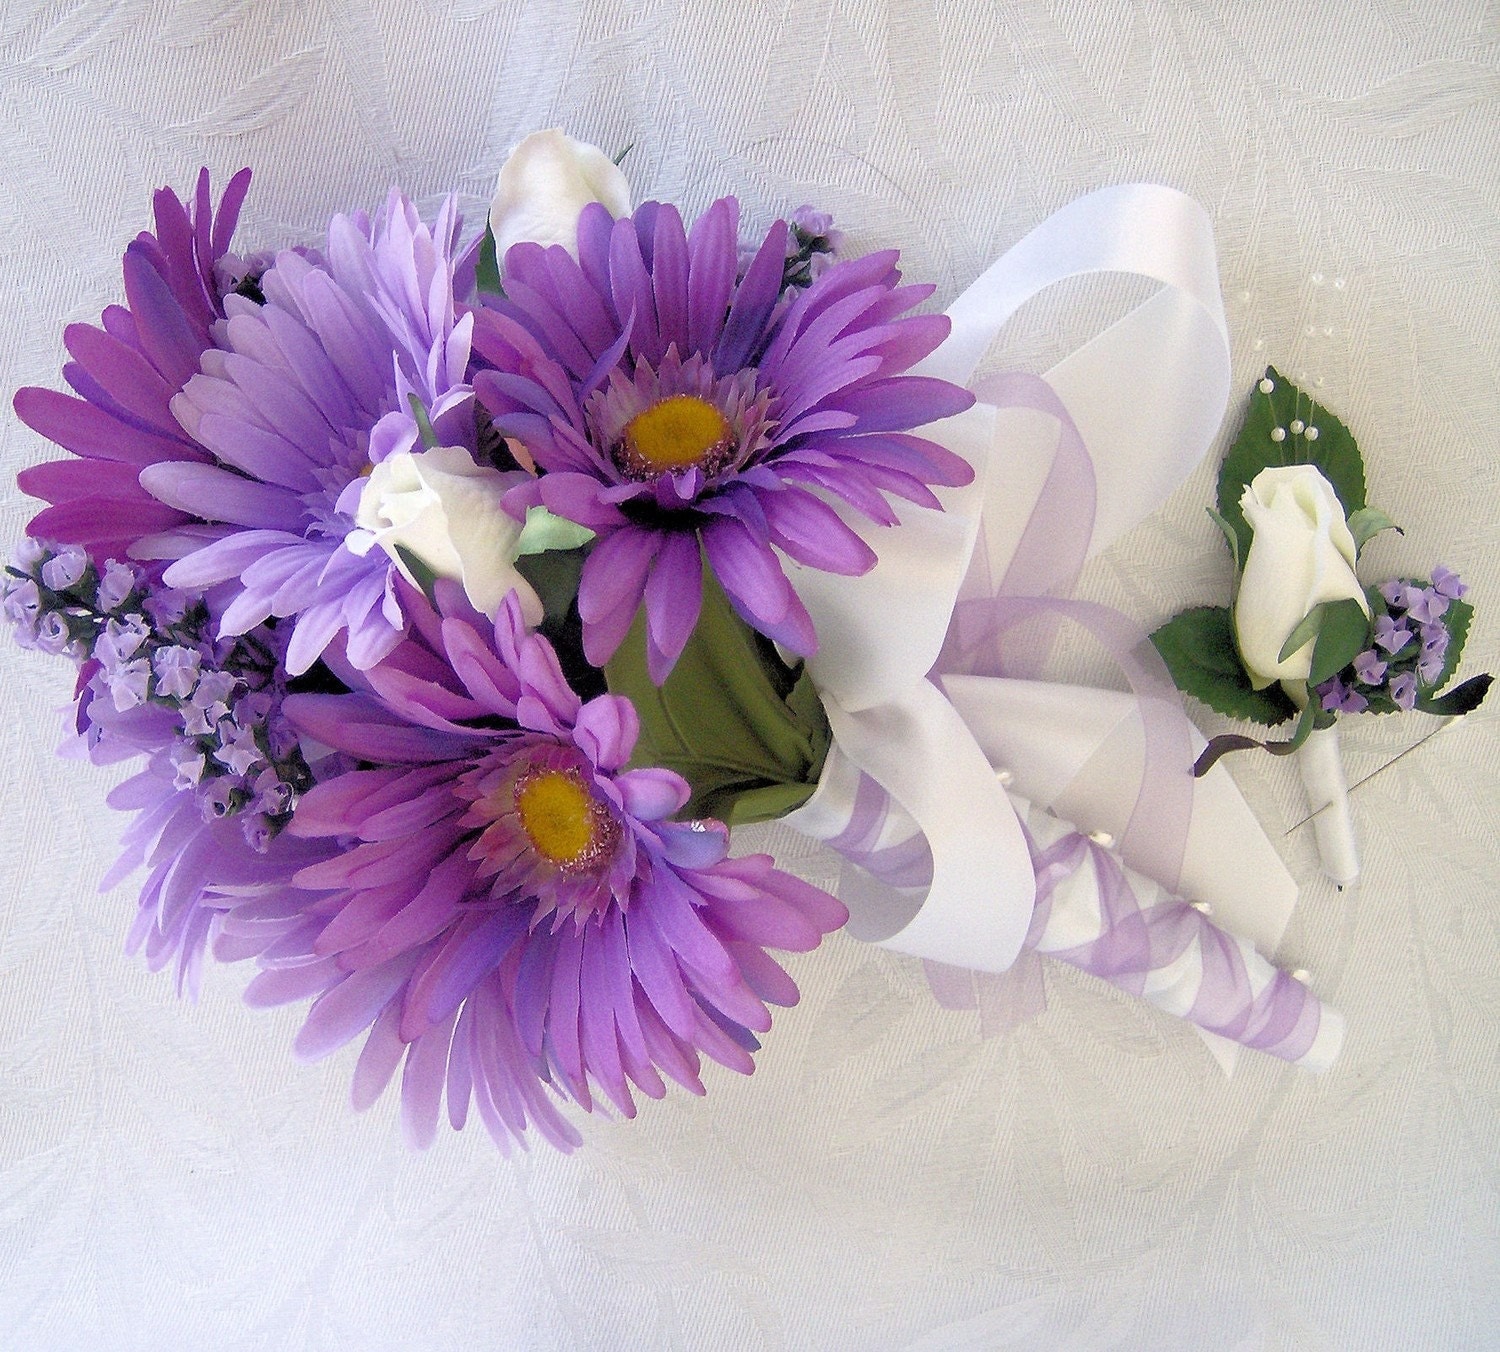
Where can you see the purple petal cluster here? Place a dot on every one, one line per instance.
(1409, 647)
(683, 410)
(513, 914)
(308, 388)
(210, 708)
(125, 373)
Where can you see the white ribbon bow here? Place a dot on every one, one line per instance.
(1147, 395)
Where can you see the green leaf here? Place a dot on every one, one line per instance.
(545, 531)
(747, 732)
(1456, 619)
(420, 572)
(1367, 523)
(487, 267)
(424, 423)
(554, 577)
(1344, 634)
(1462, 699)
(1199, 650)
(1306, 630)
(1333, 451)
(1230, 537)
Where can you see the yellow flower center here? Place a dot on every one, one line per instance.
(561, 817)
(676, 433)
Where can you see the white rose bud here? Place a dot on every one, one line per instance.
(1301, 554)
(445, 510)
(545, 184)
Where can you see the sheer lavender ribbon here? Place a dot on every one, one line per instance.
(1043, 553)
(1139, 941)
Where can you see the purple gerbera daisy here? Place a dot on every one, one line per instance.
(126, 373)
(679, 411)
(305, 393)
(514, 913)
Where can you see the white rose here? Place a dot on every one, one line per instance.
(1301, 554)
(445, 510)
(548, 179)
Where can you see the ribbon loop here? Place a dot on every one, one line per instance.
(881, 634)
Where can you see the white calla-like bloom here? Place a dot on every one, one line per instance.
(445, 510)
(1301, 554)
(545, 184)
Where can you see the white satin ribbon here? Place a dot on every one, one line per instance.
(1147, 395)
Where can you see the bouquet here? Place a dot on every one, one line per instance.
(453, 595)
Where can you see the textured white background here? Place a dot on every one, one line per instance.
(888, 1179)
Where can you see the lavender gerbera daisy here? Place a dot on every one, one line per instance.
(125, 374)
(514, 913)
(306, 392)
(679, 411)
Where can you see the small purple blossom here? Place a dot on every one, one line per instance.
(188, 763)
(128, 683)
(120, 640)
(209, 703)
(1390, 635)
(273, 796)
(29, 553)
(1340, 698)
(216, 798)
(176, 670)
(1425, 605)
(115, 586)
(1429, 668)
(66, 567)
(167, 607)
(52, 633)
(1394, 591)
(1369, 668)
(237, 749)
(1448, 583)
(258, 830)
(1404, 690)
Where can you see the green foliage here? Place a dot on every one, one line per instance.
(1334, 452)
(420, 573)
(746, 731)
(544, 531)
(1457, 618)
(1199, 650)
(1367, 523)
(424, 423)
(1343, 635)
(487, 267)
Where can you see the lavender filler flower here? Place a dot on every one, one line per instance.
(223, 767)
(1409, 647)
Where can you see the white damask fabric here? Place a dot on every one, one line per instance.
(889, 1178)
